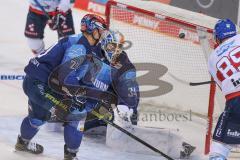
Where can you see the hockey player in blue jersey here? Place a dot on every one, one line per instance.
(99, 72)
(35, 86)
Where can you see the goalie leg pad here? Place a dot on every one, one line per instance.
(166, 140)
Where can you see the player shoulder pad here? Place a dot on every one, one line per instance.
(128, 75)
(73, 39)
(75, 50)
(63, 40)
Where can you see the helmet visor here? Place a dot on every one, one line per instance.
(101, 27)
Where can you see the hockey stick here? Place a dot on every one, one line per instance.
(56, 80)
(106, 118)
(62, 107)
(41, 7)
(190, 83)
(102, 117)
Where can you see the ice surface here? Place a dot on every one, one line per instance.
(92, 147)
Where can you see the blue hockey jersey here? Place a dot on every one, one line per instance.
(96, 72)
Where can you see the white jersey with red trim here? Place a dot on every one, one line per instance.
(51, 5)
(224, 66)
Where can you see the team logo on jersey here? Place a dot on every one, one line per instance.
(235, 83)
(100, 85)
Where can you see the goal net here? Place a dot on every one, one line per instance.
(170, 48)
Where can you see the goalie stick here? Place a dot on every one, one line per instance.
(106, 117)
(190, 83)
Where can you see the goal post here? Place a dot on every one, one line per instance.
(172, 49)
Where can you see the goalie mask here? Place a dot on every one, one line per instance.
(112, 44)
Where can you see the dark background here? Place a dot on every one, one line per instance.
(219, 8)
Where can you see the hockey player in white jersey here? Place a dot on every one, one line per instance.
(224, 66)
(56, 13)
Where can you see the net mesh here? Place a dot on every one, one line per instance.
(177, 47)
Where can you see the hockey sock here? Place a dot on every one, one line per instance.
(72, 137)
(30, 127)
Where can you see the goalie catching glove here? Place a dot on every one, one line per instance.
(122, 116)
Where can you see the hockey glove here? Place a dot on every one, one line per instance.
(122, 116)
(77, 110)
(56, 21)
(76, 114)
(69, 110)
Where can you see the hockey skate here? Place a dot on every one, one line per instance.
(27, 146)
(187, 150)
(69, 155)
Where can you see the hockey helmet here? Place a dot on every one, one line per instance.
(91, 21)
(223, 29)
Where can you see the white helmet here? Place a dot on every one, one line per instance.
(112, 44)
